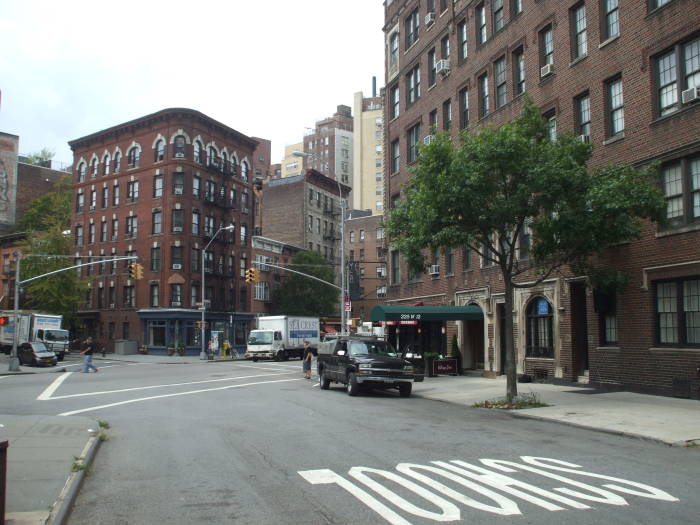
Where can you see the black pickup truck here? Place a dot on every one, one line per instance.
(357, 361)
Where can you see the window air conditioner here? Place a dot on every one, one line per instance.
(434, 269)
(111, 306)
(428, 140)
(690, 95)
(584, 138)
(177, 267)
(92, 207)
(547, 69)
(177, 228)
(176, 303)
(443, 66)
(179, 155)
(429, 18)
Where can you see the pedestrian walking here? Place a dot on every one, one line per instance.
(306, 360)
(87, 352)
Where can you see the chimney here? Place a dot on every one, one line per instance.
(374, 86)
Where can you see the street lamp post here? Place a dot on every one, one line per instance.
(342, 241)
(203, 308)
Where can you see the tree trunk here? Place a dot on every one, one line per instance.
(511, 372)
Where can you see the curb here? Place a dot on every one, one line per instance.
(62, 507)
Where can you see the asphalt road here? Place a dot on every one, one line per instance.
(255, 443)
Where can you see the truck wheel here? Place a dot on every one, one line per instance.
(60, 357)
(353, 387)
(280, 355)
(405, 389)
(255, 360)
(323, 380)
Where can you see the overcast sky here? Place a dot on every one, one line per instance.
(265, 68)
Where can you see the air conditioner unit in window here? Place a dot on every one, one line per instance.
(690, 95)
(584, 138)
(92, 207)
(179, 155)
(443, 66)
(428, 140)
(176, 303)
(429, 18)
(177, 228)
(547, 69)
(177, 267)
(111, 306)
(434, 269)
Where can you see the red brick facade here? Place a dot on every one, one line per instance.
(627, 50)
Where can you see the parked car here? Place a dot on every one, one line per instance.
(36, 353)
(365, 361)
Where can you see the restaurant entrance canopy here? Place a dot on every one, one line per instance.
(427, 313)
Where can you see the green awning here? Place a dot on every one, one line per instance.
(427, 313)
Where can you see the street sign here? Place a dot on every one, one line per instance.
(348, 305)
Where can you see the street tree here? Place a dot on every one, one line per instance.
(49, 210)
(501, 186)
(40, 158)
(300, 295)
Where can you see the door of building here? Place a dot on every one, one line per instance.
(579, 326)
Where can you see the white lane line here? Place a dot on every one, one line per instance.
(157, 386)
(46, 394)
(73, 412)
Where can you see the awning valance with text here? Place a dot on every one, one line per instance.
(427, 313)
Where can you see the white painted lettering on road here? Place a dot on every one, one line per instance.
(482, 481)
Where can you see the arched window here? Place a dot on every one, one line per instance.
(117, 162)
(179, 147)
(94, 167)
(244, 170)
(224, 162)
(234, 166)
(105, 165)
(133, 157)
(160, 150)
(81, 172)
(213, 157)
(540, 339)
(197, 151)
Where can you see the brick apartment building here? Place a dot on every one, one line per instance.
(331, 143)
(364, 238)
(265, 252)
(622, 75)
(161, 187)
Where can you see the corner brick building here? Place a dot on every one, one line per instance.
(161, 187)
(624, 76)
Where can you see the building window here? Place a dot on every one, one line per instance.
(196, 187)
(463, 39)
(132, 190)
(682, 62)
(105, 164)
(678, 312)
(131, 226)
(105, 197)
(432, 67)
(483, 95)
(411, 25)
(395, 268)
(539, 329)
(179, 147)
(413, 136)
(157, 222)
(413, 85)
(176, 257)
(94, 167)
(445, 47)
(197, 151)
(81, 172)
(195, 222)
(605, 306)
(546, 46)
(115, 195)
(133, 157)
(551, 118)
(115, 229)
(499, 71)
(463, 108)
(517, 7)
(155, 259)
(611, 19)
(615, 107)
(129, 297)
(524, 241)
(157, 186)
(583, 116)
(155, 295)
(394, 102)
(432, 121)
(79, 235)
(394, 49)
(447, 115)
(80, 201)
(480, 16)
(159, 150)
(245, 170)
(103, 231)
(117, 162)
(91, 238)
(449, 261)
(262, 291)
(395, 156)
(680, 182)
(175, 295)
(579, 36)
(519, 71)
(178, 220)
(498, 19)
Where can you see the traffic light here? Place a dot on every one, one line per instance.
(256, 275)
(138, 271)
(250, 275)
(132, 270)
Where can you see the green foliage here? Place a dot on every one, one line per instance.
(49, 210)
(300, 295)
(60, 293)
(530, 400)
(41, 157)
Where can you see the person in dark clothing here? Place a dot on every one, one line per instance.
(306, 360)
(87, 352)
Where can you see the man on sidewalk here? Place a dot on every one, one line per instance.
(87, 360)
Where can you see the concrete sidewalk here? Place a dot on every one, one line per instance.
(43, 448)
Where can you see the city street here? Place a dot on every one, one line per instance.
(247, 442)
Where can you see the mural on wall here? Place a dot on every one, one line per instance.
(8, 180)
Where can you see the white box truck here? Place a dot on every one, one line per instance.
(35, 326)
(281, 337)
